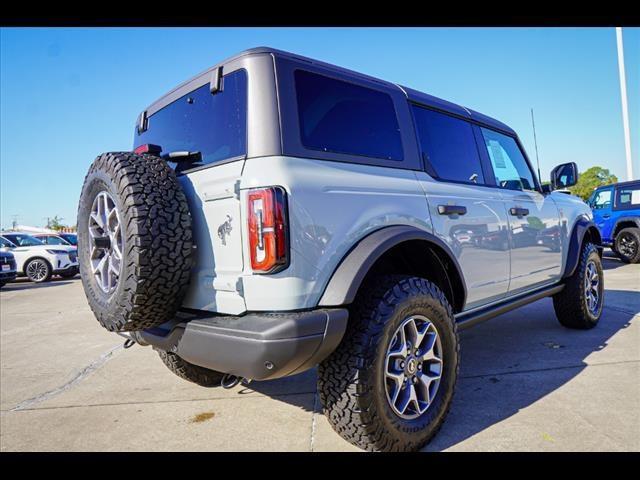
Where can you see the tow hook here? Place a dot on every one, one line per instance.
(229, 381)
(129, 342)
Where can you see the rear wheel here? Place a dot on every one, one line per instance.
(38, 270)
(389, 384)
(188, 371)
(627, 245)
(579, 304)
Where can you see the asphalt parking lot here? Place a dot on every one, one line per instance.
(526, 384)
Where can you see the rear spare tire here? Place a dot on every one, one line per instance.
(134, 241)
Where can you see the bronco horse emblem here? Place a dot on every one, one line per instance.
(225, 229)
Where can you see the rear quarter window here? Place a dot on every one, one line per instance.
(449, 146)
(628, 198)
(342, 117)
(213, 124)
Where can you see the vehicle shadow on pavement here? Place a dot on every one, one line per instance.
(513, 361)
(24, 284)
(610, 261)
(507, 364)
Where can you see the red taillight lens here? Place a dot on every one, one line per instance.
(148, 148)
(268, 229)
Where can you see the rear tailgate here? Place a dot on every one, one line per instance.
(214, 202)
(212, 126)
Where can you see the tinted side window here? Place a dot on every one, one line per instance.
(509, 165)
(449, 146)
(628, 197)
(214, 125)
(602, 199)
(342, 117)
(55, 241)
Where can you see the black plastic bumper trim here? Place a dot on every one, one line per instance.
(258, 346)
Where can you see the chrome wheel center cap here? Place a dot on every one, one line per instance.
(412, 366)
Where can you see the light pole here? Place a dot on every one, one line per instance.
(623, 97)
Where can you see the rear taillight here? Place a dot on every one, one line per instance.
(268, 229)
(148, 148)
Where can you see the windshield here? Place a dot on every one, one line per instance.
(23, 240)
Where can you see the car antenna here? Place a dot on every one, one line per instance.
(535, 142)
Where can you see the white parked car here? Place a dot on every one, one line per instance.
(38, 261)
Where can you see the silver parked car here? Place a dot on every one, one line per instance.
(278, 213)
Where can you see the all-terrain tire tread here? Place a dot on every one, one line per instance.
(342, 384)
(188, 371)
(569, 304)
(636, 233)
(158, 242)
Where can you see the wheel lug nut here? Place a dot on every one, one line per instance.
(415, 379)
(419, 366)
(401, 364)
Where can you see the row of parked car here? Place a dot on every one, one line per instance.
(616, 210)
(37, 256)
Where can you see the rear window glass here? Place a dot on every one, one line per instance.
(342, 117)
(214, 125)
(449, 146)
(628, 197)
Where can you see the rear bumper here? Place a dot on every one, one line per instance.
(258, 346)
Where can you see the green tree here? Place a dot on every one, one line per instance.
(591, 179)
(55, 223)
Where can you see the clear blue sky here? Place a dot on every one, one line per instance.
(67, 95)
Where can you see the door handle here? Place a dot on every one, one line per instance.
(519, 212)
(452, 209)
(606, 216)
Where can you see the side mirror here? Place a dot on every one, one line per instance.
(564, 175)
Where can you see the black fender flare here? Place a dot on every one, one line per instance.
(580, 229)
(351, 271)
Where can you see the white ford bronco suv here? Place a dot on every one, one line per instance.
(278, 213)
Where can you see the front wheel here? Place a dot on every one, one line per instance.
(627, 245)
(389, 384)
(579, 304)
(38, 270)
